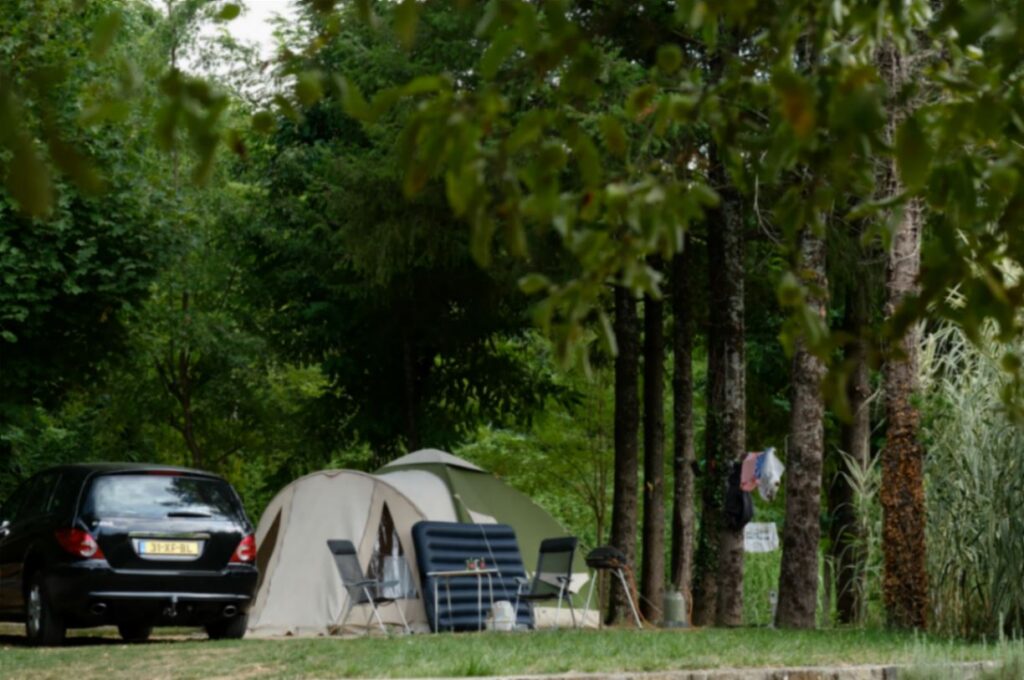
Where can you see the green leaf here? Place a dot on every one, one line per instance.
(639, 101)
(424, 85)
(789, 292)
(534, 283)
(352, 100)
(74, 165)
(913, 154)
(481, 235)
(104, 33)
(456, 190)
(407, 16)
(796, 102)
(28, 179)
(587, 157)
(9, 336)
(614, 135)
(502, 45)
(263, 121)
(228, 12)
(670, 58)
(308, 88)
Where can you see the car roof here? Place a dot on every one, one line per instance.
(114, 468)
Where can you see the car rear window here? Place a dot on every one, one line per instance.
(157, 496)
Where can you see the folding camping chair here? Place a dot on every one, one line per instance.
(553, 576)
(361, 590)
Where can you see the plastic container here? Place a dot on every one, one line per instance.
(673, 610)
(503, 616)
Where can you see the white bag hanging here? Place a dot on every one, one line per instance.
(772, 470)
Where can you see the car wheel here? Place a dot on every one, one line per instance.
(228, 629)
(43, 626)
(134, 632)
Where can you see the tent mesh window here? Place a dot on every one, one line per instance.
(388, 563)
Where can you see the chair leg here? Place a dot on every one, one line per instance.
(348, 612)
(590, 594)
(558, 610)
(629, 598)
(401, 615)
(572, 610)
(376, 614)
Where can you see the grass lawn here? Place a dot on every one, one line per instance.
(92, 654)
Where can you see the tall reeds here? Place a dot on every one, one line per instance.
(974, 475)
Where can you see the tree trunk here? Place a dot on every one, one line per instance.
(846, 531)
(705, 578)
(682, 415)
(801, 533)
(734, 432)
(627, 422)
(905, 580)
(653, 564)
(718, 585)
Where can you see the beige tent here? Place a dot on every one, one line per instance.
(300, 592)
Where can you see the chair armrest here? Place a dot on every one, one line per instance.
(563, 580)
(364, 582)
(523, 583)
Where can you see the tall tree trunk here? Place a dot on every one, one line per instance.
(801, 533)
(905, 581)
(846, 531)
(682, 415)
(627, 422)
(718, 584)
(653, 566)
(705, 578)
(734, 433)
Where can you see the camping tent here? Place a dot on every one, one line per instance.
(448, 488)
(300, 591)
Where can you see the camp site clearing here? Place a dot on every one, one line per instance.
(183, 653)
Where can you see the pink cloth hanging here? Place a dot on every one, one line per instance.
(748, 473)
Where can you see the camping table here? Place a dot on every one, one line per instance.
(457, 573)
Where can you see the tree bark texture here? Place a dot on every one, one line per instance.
(846, 531)
(801, 533)
(718, 590)
(734, 431)
(683, 456)
(627, 425)
(653, 551)
(905, 579)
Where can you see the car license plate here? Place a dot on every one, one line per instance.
(169, 548)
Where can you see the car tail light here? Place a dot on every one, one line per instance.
(78, 542)
(246, 551)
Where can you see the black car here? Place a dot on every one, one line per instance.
(133, 545)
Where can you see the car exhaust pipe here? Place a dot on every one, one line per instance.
(98, 608)
(171, 611)
(230, 611)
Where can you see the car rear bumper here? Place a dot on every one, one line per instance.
(91, 592)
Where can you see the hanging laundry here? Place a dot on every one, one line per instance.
(749, 473)
(739, 506)
(769, 474)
